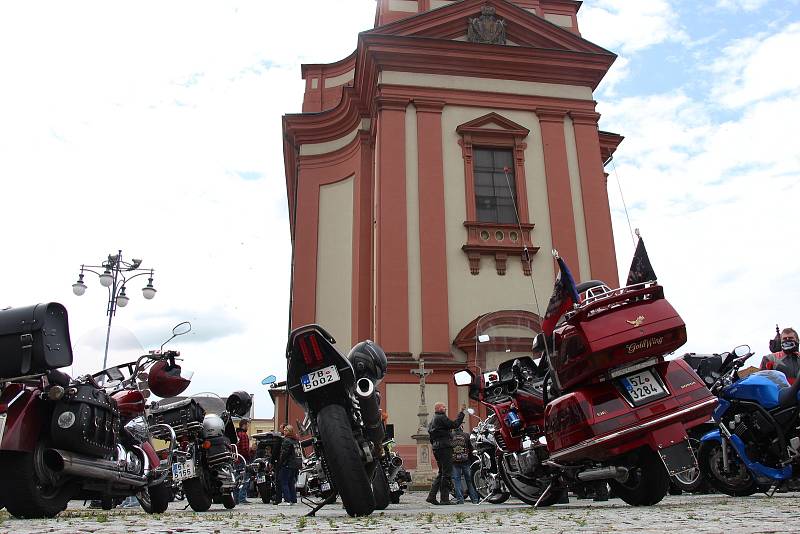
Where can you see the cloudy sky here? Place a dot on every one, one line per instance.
(155, 127)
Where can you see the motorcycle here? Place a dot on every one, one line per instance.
(615, 410)
(343, 417)
(264, 466)
(757, 441)
(397, 478)
(484, 471)
(64, 438)
(205, 458)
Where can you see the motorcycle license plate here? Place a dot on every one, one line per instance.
(2, 425)
(642, 387)
(394, 486)
(260, 479)
(325, 486)
(320, 378)
(183, 470)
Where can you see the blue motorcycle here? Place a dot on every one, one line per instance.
(757, 443)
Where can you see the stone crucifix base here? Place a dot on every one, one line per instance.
(423, 475)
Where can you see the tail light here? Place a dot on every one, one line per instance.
(309, 347)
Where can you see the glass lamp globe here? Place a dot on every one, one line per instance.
(79, 288)
(122, 299)
(106, 279)
(149, 291)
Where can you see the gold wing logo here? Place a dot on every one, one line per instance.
(636, 322)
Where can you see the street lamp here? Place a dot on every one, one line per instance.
(116, 274)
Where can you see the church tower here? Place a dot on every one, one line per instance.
(429, 176)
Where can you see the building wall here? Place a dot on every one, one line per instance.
(402, 403)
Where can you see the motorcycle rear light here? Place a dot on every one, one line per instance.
(315, 347)
(305, 352)
(206, 444)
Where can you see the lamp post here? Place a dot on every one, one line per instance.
(116, 274)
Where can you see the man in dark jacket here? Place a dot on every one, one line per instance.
(442, 444)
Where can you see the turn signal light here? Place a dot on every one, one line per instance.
(206, 444)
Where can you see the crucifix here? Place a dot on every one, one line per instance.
(421, 372)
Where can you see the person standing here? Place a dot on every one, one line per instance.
(462, 459)
(442, 445)
(787, 359)
(243, 446)
(290, 462)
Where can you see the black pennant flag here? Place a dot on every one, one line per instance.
(641, 270)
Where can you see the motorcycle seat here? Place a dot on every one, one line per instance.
(59, 378)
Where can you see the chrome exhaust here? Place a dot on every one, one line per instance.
(620, 474)
(96, 468)
(365, 387)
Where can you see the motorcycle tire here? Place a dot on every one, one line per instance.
(155, 499)
(27, 490)
(647, 484)
(265, 492)
(394, 497)
(380, 488)
(530, 494)
(740, 483)
(228, 501)
(344, 461)
(195, 492)
(482, 487)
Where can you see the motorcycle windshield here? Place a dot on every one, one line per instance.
(503, 337)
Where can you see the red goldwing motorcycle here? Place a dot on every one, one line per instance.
(615, 409)
(63, 438)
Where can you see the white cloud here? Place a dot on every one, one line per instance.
(744, 5)
(757, 67)
(627, 27)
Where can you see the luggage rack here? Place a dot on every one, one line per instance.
(615, 298)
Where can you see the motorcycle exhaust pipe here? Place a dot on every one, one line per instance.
(620, 474)
(370, 410)
(87, 467)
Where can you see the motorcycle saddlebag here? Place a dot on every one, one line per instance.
(183, 416)
(86, 422)
(626, 326)
(34, 339)
(220, 450)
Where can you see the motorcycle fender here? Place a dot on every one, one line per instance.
(758, 468)
(711, 436)
(24, 422)
(672, 445)
(152, 456)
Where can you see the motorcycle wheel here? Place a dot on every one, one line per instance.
(647, 484)
(394, 497)
(738, 482)
(344, 461)
(530, 493)
(29, 489)
(195, 492)
(483, 485)
(264, 491)
(380, 488)
(228, 501)
(155, 499)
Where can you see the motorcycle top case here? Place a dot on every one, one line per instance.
(623, 327)
(268, 445)
(182, 416)
(34, 339)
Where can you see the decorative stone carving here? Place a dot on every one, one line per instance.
(487, 28)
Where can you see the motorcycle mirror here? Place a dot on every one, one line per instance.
(182, 328)
(269, 380)
(741, 350)
(483, 338)
(463, 377)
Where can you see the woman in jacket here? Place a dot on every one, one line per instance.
(290, 463)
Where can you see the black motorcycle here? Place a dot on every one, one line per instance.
(485, 475)
(343, 416)
(204, 462)
(263, 469)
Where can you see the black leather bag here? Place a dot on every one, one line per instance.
(183, 416)
(34, 339)
(87, 422)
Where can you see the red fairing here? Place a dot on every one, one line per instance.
(596, 422)
(152, 456)
(25, 417)
(131, 403)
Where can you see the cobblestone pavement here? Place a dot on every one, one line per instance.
(689, 514)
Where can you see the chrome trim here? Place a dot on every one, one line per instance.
(595, 441)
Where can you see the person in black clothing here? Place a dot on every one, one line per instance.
(442, 444)
(290, 463)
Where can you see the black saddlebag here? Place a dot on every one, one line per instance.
(34, 339)
(183, 416)
(87, 422)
